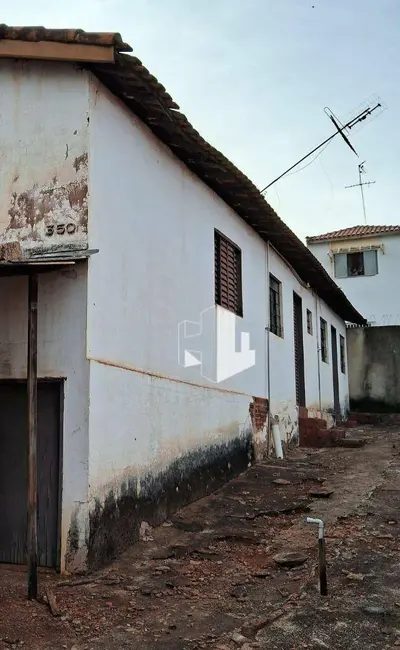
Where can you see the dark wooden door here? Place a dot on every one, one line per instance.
(13, 471)
(299, 350)
(335, 374)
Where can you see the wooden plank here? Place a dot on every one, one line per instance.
(32, 436)
(48, 50)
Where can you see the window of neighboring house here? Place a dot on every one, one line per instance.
(324, 340)
(275, 306)
(350, 265)
(309, 322)
(342, 354)
(228, 274)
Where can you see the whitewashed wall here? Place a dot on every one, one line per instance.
(318, 374)
(371, 295)
(153, 222)
(61, 354)
(43, 154)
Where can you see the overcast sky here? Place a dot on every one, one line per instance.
(254, 76)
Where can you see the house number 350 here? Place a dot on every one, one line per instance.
(61, 229)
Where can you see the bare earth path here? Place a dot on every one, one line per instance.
(208, 579)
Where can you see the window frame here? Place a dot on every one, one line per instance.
(348, 255)
(275, 327)
(324, 339)
(231, 303)
(309, 320)
(342, 347)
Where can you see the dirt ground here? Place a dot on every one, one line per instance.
(208, 579)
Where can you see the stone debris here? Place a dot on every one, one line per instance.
(290, 559)
(321, 493)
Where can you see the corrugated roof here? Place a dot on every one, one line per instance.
(354, 231)
(129, 80)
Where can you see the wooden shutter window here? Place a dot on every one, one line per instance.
(228, 274)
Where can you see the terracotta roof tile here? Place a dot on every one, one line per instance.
(354, 231)
(142, 93)
(36, 34)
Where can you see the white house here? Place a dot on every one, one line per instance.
(133, 224)
(365, 262)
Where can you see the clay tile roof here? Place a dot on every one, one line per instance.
(353, 232)
(36, 34)
(142, 93)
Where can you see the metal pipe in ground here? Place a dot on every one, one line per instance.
(323, 583)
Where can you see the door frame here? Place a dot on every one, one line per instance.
(61, 383)
(335, 374)
(298, 308)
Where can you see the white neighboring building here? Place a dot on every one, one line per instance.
(365, 263)
(135, 224)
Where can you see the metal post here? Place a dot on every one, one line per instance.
(32, 436)
(323, 584)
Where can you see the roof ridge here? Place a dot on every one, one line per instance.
(354, 231)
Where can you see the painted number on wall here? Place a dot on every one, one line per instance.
(61, 229)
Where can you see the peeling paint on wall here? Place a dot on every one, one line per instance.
(44, 155)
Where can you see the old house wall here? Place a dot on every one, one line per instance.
(374, 365)
(318, 374)
(44, 132)
(161, 434)
(371, 295)
(61, 354)
(44, 154)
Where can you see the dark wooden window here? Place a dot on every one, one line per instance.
(342, 354)
(324, 340)
(309, 322)
(275, 306)
(228, 274)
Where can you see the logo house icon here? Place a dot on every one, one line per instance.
(211, 344)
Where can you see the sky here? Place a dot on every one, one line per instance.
(254, 77)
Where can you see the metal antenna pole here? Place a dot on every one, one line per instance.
(360, 184)
(340, 131)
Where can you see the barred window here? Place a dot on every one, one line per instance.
(324, 340)
(228, 274)
(342, 354)
(275, 306)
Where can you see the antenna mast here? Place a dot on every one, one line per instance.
(340, 129)
(360, 184)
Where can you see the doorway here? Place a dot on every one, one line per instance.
(299, 350)
(13, 470)
(335, 375)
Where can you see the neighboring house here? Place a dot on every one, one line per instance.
(134, 224)
(365, 263)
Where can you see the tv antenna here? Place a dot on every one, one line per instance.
(360, 184)
(368, 109)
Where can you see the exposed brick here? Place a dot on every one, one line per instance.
(312, 435)
(258, 412)
(303, 412)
